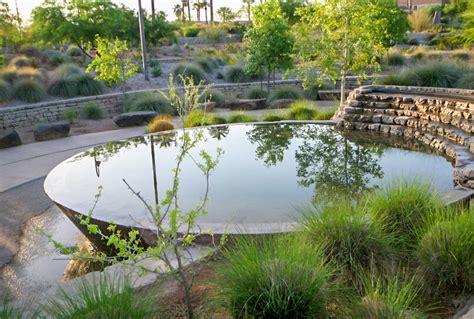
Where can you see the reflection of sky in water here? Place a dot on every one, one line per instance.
(242, 189)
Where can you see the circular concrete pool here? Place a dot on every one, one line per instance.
(266, 174)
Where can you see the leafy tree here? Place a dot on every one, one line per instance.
(454, 8)
(111, 62)
(467, 29)
(289, 7)
(270, 42)
(226, 14)
(178, 12)
(336, 38)
(159, 29)
(10, 26)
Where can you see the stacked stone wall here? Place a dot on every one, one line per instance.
(438, 117)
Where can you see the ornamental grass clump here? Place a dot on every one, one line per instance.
(87, 85)
(29, 91)
(206, 63)
(240, 117)
(256, 93)
(445, 252)
(402, 207)
(31, 73)
(395, 58)
(197, 118)
(5, 91)
(160, 123)
(388, 298)
(466, 81)
(100, 299)
(351, 237)
(273, 117)
(213, 96)
(8, 74)
(21, 61)
(235, 74)
(301, 110)
(92, 111)
(148, 101)
(189, 71)
(286, 92)
(275, 277)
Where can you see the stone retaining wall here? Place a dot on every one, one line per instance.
(439, 117)
(26, 115)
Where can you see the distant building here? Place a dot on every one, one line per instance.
(415, 4)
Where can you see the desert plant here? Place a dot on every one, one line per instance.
(148, 101)
(101, 298)
(63, 86)
(402, 206)
(155, 62)
(197, 118)
(256, 93)
(235, 74)
(301, 110)
(217, 119)
(87, 85)
(402, 77)
(213, 35)
(160, 123)
(4, 91)
(387, 298)
(272, 117)
(188, 70)
(286, 92)
(395, 58)
(324, 115)
(8, 74)
(71, 116)
(206, 63)
(420, 20)
(191, 31)
(445, 252)
(21, 61)
(279, 277)
(213, 96)
(351, 237)
(218, 61)
(55, 57)
(156, 71)
(74, 51)
(92, 111)
(65, 70)
(466, 81)
(29, 91)
(240, 117)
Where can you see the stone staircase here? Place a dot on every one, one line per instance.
(438, 117)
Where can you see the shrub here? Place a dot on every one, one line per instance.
(446, 252)
(217, 119)
(213, 35)
(64, 87)
(351, 237)
(191, 32)
(402, 77)
(256, 93)
(395, 58)
(189, 70)
(218, 61)
(324, 115)
(160, 123)
(235, 74)
(197, 118)
(213, 96)
(286, 92)
(156, 71)
(241, 117)
(148, 101)
(206, 63)
(87, 85)
(71, 116)
(65, 70)
(4, 91)
(8, 74)
(275, 277)
(102, 298)
(74, 51)
(29, 91)
(21, 61)
(420, 20)
(271, 117)
(56, 58)
(413, 41)
(155, 62)
(387, 298)
(30, 73)
(466, 81)
(402, 206)
(92, 111)
(219, 75)
(301, 110)
(312, 91)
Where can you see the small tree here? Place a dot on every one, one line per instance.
(111, 63)
(270, 42)
(226, 14)
(336, 38)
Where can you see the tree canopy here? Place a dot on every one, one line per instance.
(10, 26)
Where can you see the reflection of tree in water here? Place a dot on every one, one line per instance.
(272, 141)
(334, 165)
(324, 158)
(218, 132)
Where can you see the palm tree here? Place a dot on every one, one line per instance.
(178, 12)
(226, 14)
(211, 7)
(249, 8)
(197, 7)
(188, 4)
(205, 5)
(153, 9)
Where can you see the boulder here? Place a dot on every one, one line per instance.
(134, 118)
(246, 104)
(50, 131)
(9, 138)
(281, 103)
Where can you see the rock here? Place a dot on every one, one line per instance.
(134, 118)
(50, 131)
(281, 103)
(9, 138)
(246, 105)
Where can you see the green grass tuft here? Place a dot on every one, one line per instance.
(213, 96)
(395, 58)
(197, 118)
(302, 110)
(92, 111)
(240, 117)
(5, 91)
(256, 93)
(236, 74)
(148, 101)
(287, 92)
(466, 81)
(87, 85)
(189, 70)
(29, 91)
(206, 63)
(272, 117)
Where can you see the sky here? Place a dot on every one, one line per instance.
(25, 6)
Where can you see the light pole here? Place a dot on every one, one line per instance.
(142, 40)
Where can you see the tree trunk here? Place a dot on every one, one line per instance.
(189, 9)
(346, 57)
(211, 6)
(268, 80)
(205, 13)
(153, 9)
(248, 12)
(343, 89)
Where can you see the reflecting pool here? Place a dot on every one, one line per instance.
(266, 174)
